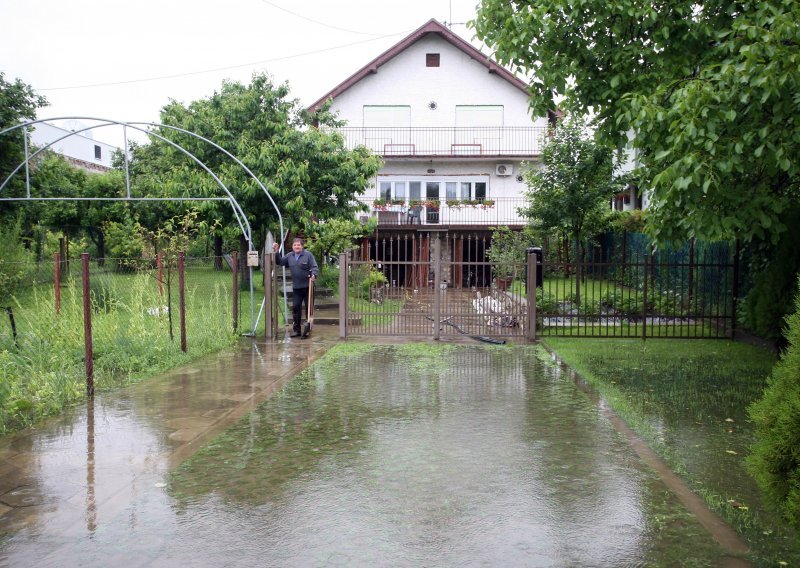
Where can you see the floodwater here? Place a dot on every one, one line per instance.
(408, 455)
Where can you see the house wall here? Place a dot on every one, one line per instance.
(77, 146)
(459, 80)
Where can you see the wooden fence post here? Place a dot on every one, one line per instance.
(87, 325)
(182, 297)
(57, 285)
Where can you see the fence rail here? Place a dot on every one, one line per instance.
(448, 141)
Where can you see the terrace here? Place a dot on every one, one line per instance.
(447, 212)
(448, 142)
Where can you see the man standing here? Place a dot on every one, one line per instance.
(304, 269)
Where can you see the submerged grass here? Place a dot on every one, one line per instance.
(44, 370)
(688, 400)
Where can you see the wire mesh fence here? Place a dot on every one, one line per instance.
(134, 296)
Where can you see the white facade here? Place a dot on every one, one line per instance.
(450, 126)
(80, 148)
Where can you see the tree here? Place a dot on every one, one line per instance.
(309, 171)
(18, 103)
(570, 193)
(709, 89)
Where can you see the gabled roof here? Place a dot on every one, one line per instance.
(432, 27)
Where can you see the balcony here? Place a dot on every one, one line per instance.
(451, 212)
(478, 142)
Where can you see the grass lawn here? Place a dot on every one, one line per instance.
(688, 400)
(44, 370)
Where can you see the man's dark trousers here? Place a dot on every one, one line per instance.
(299, 297)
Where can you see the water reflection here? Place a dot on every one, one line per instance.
(405, 456)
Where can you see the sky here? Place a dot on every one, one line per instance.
(125, 60)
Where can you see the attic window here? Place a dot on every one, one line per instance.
(431, 60)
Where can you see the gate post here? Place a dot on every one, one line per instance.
(343, 268)
(437, 280)
(235, 269)
(270, 322)
(530, 287)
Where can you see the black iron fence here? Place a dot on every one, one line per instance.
(625, 287)
(432, 286)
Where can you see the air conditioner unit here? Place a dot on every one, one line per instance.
(504, 169)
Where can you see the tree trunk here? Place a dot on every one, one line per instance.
(101, 247)
(217, 252)
(245, 281)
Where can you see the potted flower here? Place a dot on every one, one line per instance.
(507, 254)
(380, 204)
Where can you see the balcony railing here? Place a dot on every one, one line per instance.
(460, 142)
(489, 212)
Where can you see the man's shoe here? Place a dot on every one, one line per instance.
(294, 334)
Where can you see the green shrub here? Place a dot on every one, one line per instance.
(363, 278)
(625, 302)
(775, 460)
(13, 261)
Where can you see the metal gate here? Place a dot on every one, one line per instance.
(431, 285)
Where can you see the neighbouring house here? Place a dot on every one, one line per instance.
(79, 148)
(455, 133)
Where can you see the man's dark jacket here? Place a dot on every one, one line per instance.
(301, 267)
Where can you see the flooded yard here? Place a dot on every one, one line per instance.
(406, 455)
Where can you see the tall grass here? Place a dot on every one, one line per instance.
(687, 399)
(44, 370)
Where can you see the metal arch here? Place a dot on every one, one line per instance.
(235, 204)
(237, 210)
(109, 122)
(252, 175)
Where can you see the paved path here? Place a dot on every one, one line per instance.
(60, 479)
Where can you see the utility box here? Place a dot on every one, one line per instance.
(539, 272)
(252, 258)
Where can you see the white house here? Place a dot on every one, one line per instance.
(453, 128)
(79, 148)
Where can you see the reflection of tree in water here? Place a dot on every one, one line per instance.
(323, 414)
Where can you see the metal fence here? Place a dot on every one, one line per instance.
(429, 285)
(127, 296)
(447, 141)
(434, 286)
(626, 288)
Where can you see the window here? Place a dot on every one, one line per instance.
(392, 190)
(431, 60)
(385, 191)
(97, 152)
(433, 188)
(415, 190)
